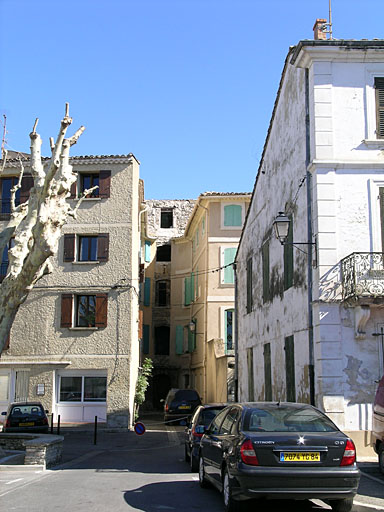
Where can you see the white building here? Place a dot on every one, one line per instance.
(74, 343)
(308, 314)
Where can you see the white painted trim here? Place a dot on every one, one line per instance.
(221, 298)
(374, 205)
(370, 99)
(229, 239)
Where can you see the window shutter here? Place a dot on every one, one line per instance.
(147, 291)
(290, 369)
(66, 310)
(381, 197)
(249, 286)
(101, 309)
(191, 341)
(288, 258)
(140, 330)
(179, 339)
(379, 86)
(232, 215)
(229, 257)
(267, 373)
(26, 185)
(103, 246)
(69, 247)
(147, 251)
(145, 339)
(187, 291)
(265, 256)
(104, 184)
(192, 281)
(73, 190)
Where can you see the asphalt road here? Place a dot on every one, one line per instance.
(122, 472)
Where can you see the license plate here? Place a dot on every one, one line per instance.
(184, 406)
(299, 456)
(29, 424)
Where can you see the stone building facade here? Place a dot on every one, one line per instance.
(74, 343)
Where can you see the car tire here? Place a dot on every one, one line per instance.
(381, 458)
(202, 478)
(186, 454)
(344, 505)
(230, 505)
(193, 463)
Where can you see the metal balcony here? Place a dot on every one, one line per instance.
(362, 275)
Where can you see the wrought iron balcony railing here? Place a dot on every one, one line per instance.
(362, 275)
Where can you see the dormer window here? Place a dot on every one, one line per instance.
(166, 218)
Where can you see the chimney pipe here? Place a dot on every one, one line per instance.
(318, 29)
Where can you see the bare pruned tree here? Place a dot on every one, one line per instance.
(35, 226)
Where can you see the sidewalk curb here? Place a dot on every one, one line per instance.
(358, 506)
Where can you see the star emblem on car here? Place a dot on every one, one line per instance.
(301, 440)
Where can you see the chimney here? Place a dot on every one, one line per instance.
(317, 29)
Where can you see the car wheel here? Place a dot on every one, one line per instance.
(194, 463)
(230, 505)
(381, 458)
(344, 505)
(202, 479)
(186, 454)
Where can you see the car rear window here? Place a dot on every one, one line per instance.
(186, 394)
(27, 410)
(207, 416)
(287, 419)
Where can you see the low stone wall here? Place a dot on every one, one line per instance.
(41, 449)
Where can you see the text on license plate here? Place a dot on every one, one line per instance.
(184, 406)
(28, 424)
(299, 456)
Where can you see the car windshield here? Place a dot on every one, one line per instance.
(27, 410)
(186, 394)
(287, 419)
(207, 416)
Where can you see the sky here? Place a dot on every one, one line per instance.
(187, 86)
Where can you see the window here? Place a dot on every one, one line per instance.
(83, 389)
(166, 218)
(4, 388)
(228, 273)
(267, 373)
(84, 310)
(147, 291)
(249, 285)
(86, 181)
(5, 259)
(379, 91)
(162, 340)
(145, 339)
(290, 369)
(227, 427)
(233, 215)
(288, 258)
(162, 293)
(179, 339)
(192, 337)
(229, 316)
(163, 253)
(190, 291)
(265, 264)
(89, 247)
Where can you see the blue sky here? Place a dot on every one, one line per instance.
(187, 86)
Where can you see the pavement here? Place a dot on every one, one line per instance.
(81, 443)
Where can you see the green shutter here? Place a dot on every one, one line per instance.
(147, 252)
(249, 286)
(187, 291)
(145, 339)
(267, 373)
(147, 291)
(179, 339)
(379, 86)
(229, 257)
(232, 215)
(288, 258)
(265, 259)
(191, 341)
(192, 280)
(290, 369)
(197, 282)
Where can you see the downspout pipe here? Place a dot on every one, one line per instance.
(311, 366)
(236, 379)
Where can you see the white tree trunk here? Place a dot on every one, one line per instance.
(36, 225)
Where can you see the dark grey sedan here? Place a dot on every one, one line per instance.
(278, 450)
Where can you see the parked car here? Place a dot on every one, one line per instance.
(378, 424)
(278, 450)
(25, 417)
(201, 419)
(180, 404)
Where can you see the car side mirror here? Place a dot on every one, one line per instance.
(162, 400)
(4, 413)
(46, 411)
(200, 429)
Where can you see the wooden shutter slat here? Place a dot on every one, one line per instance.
(73, 190)
(101, 309)
(26, 185)
(69, 247)
(103, 247)
(66, 310)
(104, 184)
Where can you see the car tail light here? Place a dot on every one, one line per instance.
(248, 455)
(8, 423)
(196, 434)
(45, 421)
(166, 408)
(349, 456)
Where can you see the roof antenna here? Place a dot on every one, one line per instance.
(330, 20)
(3, 142)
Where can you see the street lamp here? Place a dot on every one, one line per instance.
(281, 226)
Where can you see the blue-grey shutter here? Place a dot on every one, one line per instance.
(147, 291)
(187, 291)
(179, 339)
(232, 215)
(229, 257)
(147, 251)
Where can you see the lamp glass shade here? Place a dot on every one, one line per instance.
(281, 227)
(192, 326)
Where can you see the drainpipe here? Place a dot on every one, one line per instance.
(236, 379)
(311, 365)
